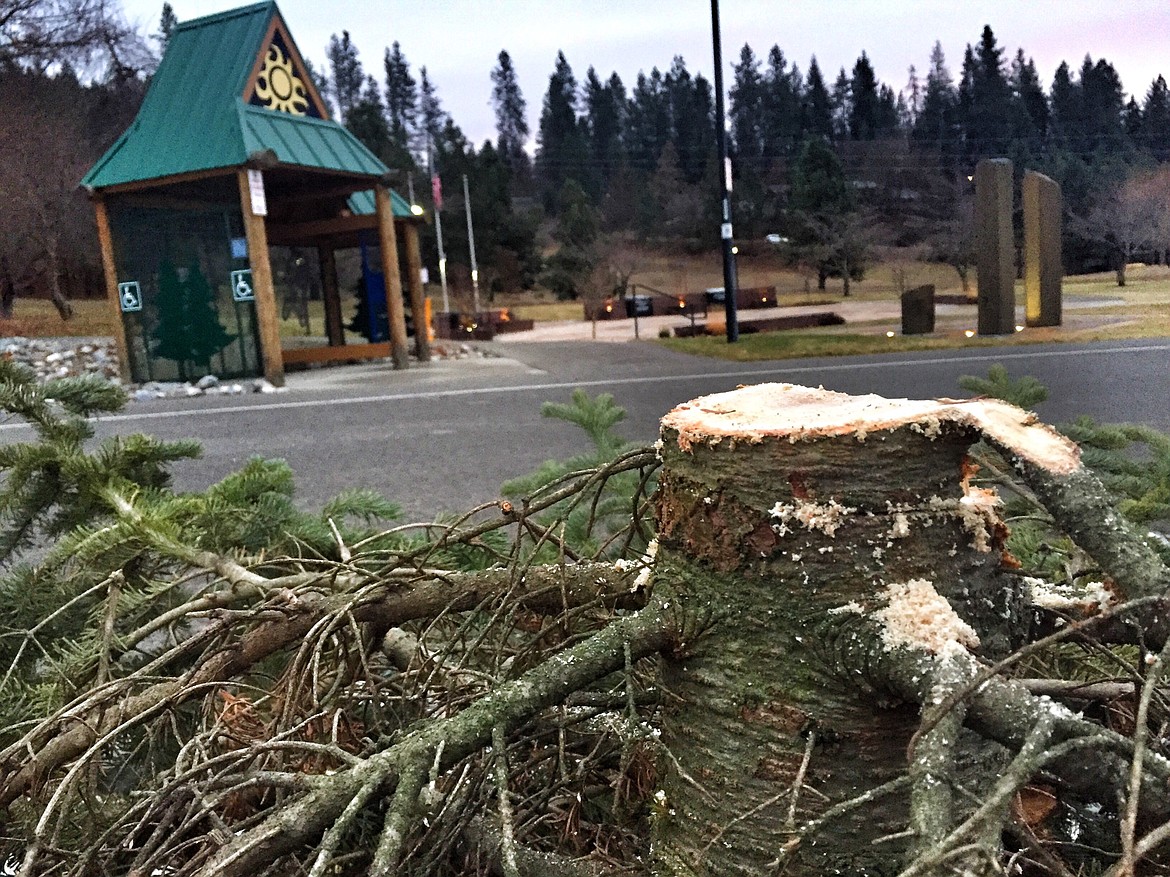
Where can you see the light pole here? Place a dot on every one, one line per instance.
(729, 281)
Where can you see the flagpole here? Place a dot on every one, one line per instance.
(437, 195)
(471, 245)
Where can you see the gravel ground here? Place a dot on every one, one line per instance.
(66, 357)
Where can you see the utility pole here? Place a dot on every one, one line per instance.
(471, 246)
(729, 272)
(437, 194)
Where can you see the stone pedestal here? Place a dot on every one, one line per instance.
(994, 249)
(918, 310)
(1043, 271)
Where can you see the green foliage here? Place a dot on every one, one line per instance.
(1132, 461)
(82, 526)
(569, 268)
(594, 515)
(1024, 392)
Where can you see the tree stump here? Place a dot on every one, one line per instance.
(785, 513)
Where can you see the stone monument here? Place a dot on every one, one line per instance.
(1043, 271)
(994, 249)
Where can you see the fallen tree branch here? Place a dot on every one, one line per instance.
(69, 733)
(445, 742)
(1081, 506)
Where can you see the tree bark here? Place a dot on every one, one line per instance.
(783, 513)
(550, 589)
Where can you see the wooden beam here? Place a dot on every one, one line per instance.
(334, 328)
(389, 246)
(418, 306)
(266, 313)
(110, 271)
(290, 233)
(160, 182)
(304, 355)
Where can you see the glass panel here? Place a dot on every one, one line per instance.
(197, 313)
(296, 278)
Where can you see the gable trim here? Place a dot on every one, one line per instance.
(277, 25)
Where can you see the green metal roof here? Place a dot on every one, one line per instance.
(362, 203)
(195, 117)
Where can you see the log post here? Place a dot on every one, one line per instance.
(387, 239)
(267, 316)
(785, 515)
(418, 302)
(110, 275)
(334, 321)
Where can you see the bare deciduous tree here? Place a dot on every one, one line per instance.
(1130, 218)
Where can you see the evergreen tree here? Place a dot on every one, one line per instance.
(432, 117)
(889, 114)
(605, 111)
(934, 127)
(167, 23)
(347, 76)
(781, 105)
(746, 112)
(989, 109)
(863, 107)
(913, 99)
(1154, 132)
(511, 114)
(561, 144)
(692, 119)
(401, 97)
(815, 104)
(648, 125)
(188, 329)
(1030, 106)
(1065, 103)
(1132, 120)
(367, 122)
(965, 104)
(569, 268)
(823, 210)
(1103, 100)
(841, 101)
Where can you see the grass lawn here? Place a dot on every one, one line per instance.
(795, 344)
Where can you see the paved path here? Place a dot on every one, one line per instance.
(444, 436)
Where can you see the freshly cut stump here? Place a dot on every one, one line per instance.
(785, 515)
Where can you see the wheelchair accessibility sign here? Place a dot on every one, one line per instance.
(130, 296)
(242, 285)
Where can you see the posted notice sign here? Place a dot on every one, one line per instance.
(256, 188)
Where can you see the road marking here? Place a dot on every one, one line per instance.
(611, 382)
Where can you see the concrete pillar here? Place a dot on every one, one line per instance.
(1043, 271)
(994, 247)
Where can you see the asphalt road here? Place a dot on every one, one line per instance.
(444, 436)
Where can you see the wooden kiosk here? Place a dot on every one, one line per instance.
(233, 151)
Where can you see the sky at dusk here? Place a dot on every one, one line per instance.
(458, 41)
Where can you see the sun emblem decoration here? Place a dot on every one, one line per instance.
(278, 87)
